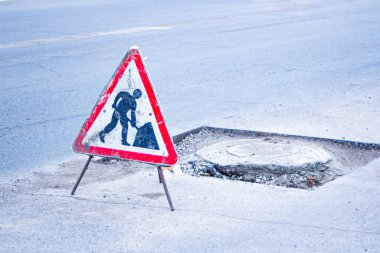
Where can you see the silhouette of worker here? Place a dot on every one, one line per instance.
(123, 103)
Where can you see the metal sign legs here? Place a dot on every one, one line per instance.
(160, 177)
(162, 180)
(81, 174)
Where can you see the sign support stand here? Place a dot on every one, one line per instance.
(129, 92)
(81, 174)
(162, 180)
(160, 177)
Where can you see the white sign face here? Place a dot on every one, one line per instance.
(129, 83)
(127, 121)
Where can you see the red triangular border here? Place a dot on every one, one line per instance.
(78, 147)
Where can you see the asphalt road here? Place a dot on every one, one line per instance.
(298, 67)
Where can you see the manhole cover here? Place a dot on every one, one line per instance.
(252, 148)
(235, 156)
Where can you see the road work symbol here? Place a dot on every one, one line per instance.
(127, 103)
(127, 121)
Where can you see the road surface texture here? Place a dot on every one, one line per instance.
(296, 67)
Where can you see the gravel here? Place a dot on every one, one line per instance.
(346, 158)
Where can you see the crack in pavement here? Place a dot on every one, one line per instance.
(285, 223)
(72, 37)
(91, 54)
(272, 222)
(44, 121)
(272, 24)
(319, 107)
(289, 69)
(43, 67)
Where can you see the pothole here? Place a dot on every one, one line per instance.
(273, 159)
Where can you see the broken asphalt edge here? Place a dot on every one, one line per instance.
(250, 133)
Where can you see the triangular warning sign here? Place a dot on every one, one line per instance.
(127, 121)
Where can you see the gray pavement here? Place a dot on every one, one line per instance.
(297, 67)
(115, 210)
(305, 68)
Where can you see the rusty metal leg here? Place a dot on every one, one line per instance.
(162, 179)
(81, 174)
(159, 177)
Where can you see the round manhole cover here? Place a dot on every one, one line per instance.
(262, 150)
(253, 154)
